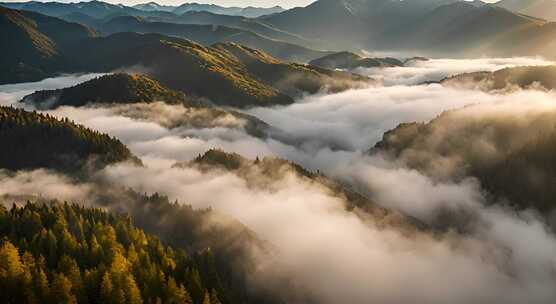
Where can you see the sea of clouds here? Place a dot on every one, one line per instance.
(334, 255)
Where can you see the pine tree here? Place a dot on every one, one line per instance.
(214, 297)
(40, 285)
(69, 268)
(133, 295)
(60, 292)
(195, 285)
(13, 275)
(176, 294)
(106, 289)
(206, 298)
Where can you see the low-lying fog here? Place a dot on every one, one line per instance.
(336, 255)
(419, 71)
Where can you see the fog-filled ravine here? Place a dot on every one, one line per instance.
(440, 236)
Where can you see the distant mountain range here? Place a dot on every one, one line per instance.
(463, 29)
(355, 22)
(428, 27)
(250, 32)
(99, 9)
(251, 12)
(96, 9)
(153, 6)
(454, 28)
(210, 34)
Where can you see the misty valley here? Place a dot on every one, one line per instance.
(344, 151)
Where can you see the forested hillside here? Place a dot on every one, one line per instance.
(113, 88)
(348, 60)
(263, 173)
(31, 140)
(70, 254)
(511, 155)
(139, 97)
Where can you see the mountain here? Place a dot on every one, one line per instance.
(38, 45)
(94, 13)
(355, 23)
(430, 27)
(263, 172)
(545, 9)
(31, 141)
(113, 88)
(210, 34)
(533, 77)
(227, 74)
(463, 28)
(511, 153)
(153, 6)
(250, 12)
(349, 61)
(315, 21)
